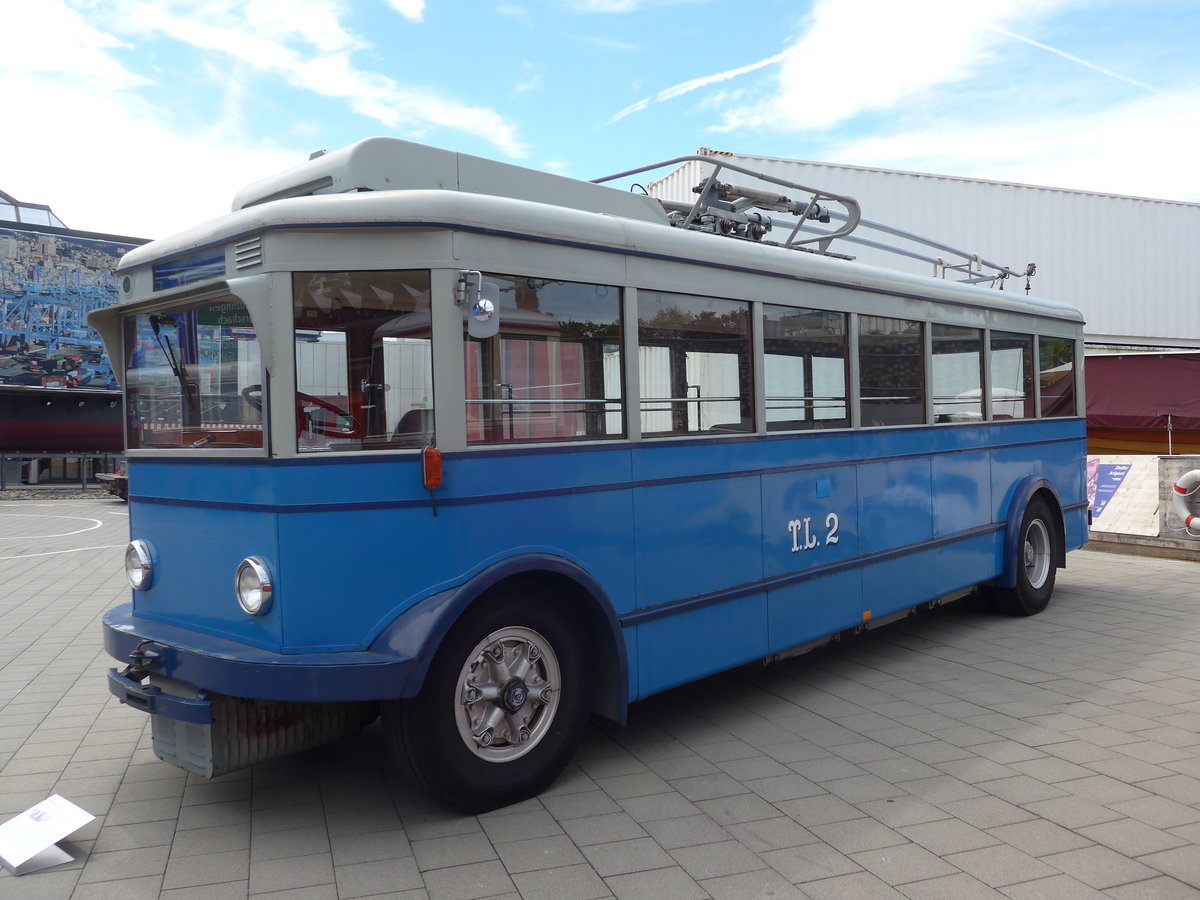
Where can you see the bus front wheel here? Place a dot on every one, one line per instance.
(1037, 551)
(503, 707)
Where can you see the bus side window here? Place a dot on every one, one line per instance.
(694, 360)
(1056, 375)
(364, 370)
(804, 368)
(891, 360)
(957, 374)
(1012, 376)
(553, 373)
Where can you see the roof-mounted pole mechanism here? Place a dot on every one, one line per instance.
(721, 208)
(727, 209)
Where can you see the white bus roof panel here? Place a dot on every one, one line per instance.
(389, 164)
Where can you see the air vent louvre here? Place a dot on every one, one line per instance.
(248, 253)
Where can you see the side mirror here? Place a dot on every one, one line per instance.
(482, 301)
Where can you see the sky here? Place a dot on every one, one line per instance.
(144, 117)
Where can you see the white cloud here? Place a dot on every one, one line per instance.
(107, 159)
(512, 11)
(856, 56)
(605, 43)
(605, 6)
(587, 6)
(694, 84)
(410, 9)
(316, 23)
(860, 56)
(531, 81)
(131, 176)
(1075, 59)
(50, 37)
(620, 6)
(219, 28)
(1110, 151)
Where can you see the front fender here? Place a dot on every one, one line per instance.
(417, 633)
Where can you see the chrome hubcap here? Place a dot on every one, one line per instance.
(508, 692)
(1036, 553)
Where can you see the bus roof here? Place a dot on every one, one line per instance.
(442, 189)
(389, 164)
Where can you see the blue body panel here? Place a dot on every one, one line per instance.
(702, 554)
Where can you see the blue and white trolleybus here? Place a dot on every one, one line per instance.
(484, 451)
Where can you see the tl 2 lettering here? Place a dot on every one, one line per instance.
(804, 537)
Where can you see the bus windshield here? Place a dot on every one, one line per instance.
(193, 379)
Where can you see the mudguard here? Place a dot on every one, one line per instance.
(1022, 493)
(417, 633)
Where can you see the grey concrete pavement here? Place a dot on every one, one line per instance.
(953, 755)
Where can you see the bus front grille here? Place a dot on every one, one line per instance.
(244, 732)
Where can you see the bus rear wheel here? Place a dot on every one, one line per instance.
(503, 707)
(1037, 551)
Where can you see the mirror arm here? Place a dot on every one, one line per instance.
(466, 294)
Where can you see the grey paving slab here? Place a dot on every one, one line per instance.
(546, 853)
(949, 836)
(771, 834)
(745, 885)
(737, 809)
(571, 883)
(954, 754)
(624, 857)
(703, 861)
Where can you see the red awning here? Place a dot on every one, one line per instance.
(1139, 390)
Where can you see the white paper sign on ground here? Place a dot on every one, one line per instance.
(28, 842)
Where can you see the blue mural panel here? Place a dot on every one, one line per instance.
(49, 282)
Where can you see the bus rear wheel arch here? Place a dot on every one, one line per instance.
(1039, 552)
(504, 703)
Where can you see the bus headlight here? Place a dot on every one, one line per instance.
(253, 586)
(139, 565)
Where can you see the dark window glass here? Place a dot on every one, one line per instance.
(891, 371)
(694, 360)
(804, 368)
(189, 269)
(1056, 374)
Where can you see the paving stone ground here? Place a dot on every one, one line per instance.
(951, 755)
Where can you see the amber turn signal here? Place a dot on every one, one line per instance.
(431, 467)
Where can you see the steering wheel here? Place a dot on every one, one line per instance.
(343, 424)
(252, 394)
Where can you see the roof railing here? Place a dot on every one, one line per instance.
(722, 208)
(731, 210)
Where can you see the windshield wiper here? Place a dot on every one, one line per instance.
(165, 343)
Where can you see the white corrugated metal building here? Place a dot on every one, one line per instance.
(1124, 261)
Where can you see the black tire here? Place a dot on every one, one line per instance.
(440, 738)
(1038, 551)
